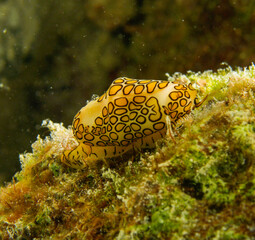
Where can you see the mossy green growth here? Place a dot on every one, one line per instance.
(201, 187)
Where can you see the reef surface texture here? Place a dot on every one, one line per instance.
(201, 187)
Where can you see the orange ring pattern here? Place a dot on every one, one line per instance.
(132, 108)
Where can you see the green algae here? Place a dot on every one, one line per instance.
(202, 187)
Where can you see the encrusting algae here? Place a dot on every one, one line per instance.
(201, 187)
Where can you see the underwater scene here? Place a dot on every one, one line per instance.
(129, 119)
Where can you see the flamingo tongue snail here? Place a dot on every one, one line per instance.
(132, 114)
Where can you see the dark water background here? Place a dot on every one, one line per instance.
(55, 54)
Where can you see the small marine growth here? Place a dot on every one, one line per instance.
(201, 187)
